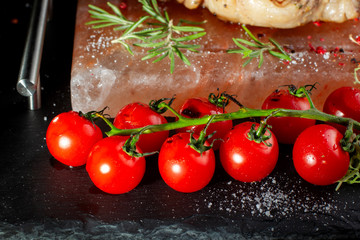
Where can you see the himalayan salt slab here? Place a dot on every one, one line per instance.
(105, 74)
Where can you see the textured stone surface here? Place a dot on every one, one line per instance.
(105, 74)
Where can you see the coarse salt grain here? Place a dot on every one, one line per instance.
(268, 199)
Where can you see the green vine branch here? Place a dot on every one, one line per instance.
(240, 114)
(351, 141)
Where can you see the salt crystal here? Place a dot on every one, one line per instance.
(326, 55)
(267, 213)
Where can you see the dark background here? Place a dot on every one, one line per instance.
(41, 198)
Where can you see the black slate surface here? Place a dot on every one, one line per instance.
(42, 199)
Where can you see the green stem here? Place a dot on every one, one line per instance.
(312, 105)
(263, 125)
(199, 144)
(112, 127)
(352, 175)
(242, 113)
(173, 111)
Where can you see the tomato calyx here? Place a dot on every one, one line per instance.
(156, 105)
(302, 91)
(350, 139)
(92, 115)
(130, 145)
(258, 135)
(199, 144)
(353, 174)
(219, 100)
(351, 143)
(223, 99)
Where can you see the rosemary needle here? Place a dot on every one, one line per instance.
(161, 35)
(258, 48)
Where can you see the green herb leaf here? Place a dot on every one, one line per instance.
(246, 42)
(165, 39)
(189, 37)
(154, 54)
(161, 57)
(279, 55)
(278, 46)
(258, 48)
(187, 29)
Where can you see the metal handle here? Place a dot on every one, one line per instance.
(28, 83)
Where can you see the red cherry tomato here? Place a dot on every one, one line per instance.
(318, 156)
(111, 169)
(136, 115)
(246, 160)
(200, 107)
(70, 137)
(183, 168)
(343, 102)
(287, 129)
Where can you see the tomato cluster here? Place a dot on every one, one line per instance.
(248, 151)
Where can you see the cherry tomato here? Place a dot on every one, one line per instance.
(343, 102)
(111, 169)
(287, 129)
(183, 168)
(70, 137)
(246, 160)
(136, 115)
(318, 156)
(200, 107)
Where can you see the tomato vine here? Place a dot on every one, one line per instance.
(350, 142)
(242, 113)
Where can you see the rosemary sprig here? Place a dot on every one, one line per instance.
(106, 19)
(161, 35)
(259, 48)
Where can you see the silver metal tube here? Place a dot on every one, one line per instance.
(28, 83)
